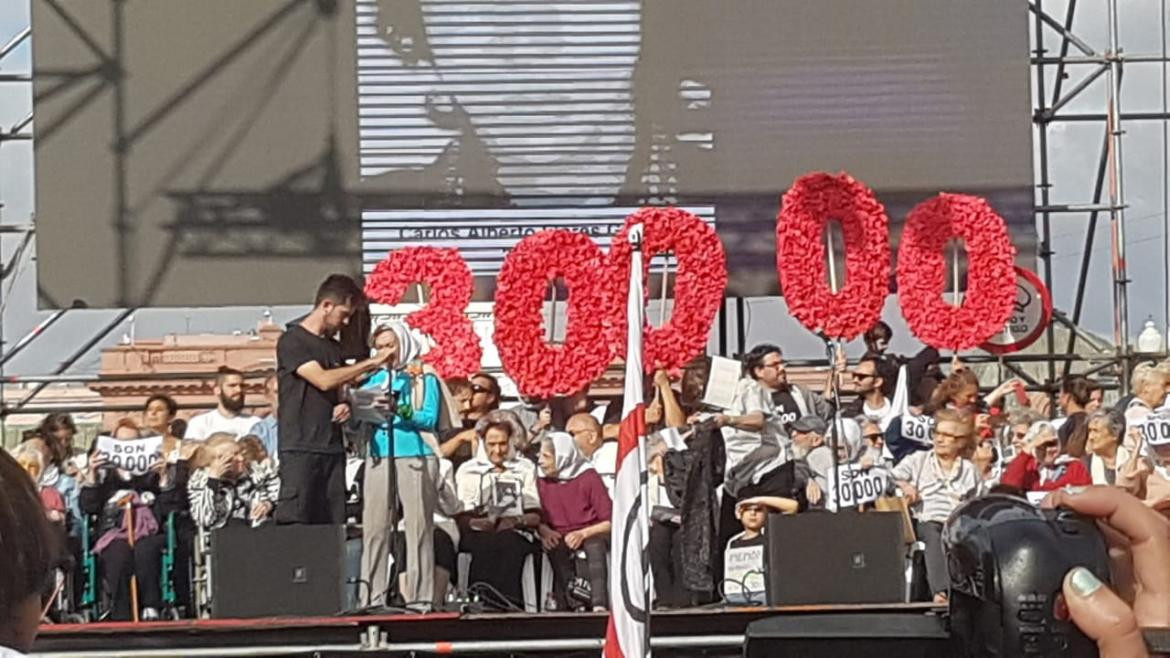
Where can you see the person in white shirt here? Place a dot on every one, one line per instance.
(1149, 383)
(1107, 456)
(933, 483)
(501, 507)
(587, 433)
(871, 399)
(228, 416)
(766, 405)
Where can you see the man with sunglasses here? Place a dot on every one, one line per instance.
(483, 397)
(871, 402)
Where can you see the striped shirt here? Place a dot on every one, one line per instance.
(939, 492)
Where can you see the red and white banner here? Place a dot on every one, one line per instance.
(629, 580)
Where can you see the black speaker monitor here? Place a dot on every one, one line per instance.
(847, 557)
(294, 570)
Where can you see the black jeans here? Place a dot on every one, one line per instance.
(497, 558)
(564, 566)
(312, 488)
(666, 566)
(144, 561)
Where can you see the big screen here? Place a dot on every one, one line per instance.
(224, 152)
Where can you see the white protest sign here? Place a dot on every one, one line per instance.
(722, 383)
(858, 486)
(133, 455)
(743, 571)
(917, 428)
(1155, 429)
(1035, 497)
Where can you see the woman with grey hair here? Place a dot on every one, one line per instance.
(401, 445)
(501, 508)
(1107, 455)
(1043, 466)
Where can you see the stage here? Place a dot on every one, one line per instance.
(697, 631)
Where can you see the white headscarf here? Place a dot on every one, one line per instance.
(567, 457)
(410, 346)
(850, 439)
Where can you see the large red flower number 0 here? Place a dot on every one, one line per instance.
(810, 203)
(537, 367)
(457, 351)
(991, 274)
(698, 286)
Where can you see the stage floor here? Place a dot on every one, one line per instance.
(697, 631)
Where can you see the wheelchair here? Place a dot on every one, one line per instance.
(91, 603)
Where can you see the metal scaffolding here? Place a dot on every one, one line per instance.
(1053, 39)
(1058, 53)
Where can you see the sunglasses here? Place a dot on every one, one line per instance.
(861, 376)
(476, 388)
(875, 436)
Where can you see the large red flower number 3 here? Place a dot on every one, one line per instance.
(698, 286)
(537, 367)
(457, 351)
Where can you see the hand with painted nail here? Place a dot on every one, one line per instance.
(1139, 551)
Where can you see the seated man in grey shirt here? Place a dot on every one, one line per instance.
(808, 446)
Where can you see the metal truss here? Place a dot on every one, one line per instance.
(1054, 40)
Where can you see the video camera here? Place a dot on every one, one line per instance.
(1007, 561)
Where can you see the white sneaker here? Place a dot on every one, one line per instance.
(149, 614)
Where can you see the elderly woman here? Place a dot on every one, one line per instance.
(400, 444)
(1150, 383)
(222, 489)
(1106, 454)
(933, 483)
(1042, 466)
(501, 506)
(107, 491)
(575, 511)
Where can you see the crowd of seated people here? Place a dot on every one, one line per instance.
(497, 493)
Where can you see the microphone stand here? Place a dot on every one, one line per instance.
(835, 404)
(392, 486)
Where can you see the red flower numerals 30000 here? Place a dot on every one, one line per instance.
(595, 330)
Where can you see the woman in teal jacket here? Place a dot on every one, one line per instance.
(400, 444)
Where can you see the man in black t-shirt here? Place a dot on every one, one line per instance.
(310, 410)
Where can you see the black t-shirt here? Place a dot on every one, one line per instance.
(305, 414)
(786, 408)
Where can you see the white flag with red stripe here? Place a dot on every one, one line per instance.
(629, 580)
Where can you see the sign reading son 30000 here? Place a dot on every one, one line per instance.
(1155, 429)
(135, 456)
(858, 486)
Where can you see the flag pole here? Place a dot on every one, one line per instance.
(628, 633)
(643, 476)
